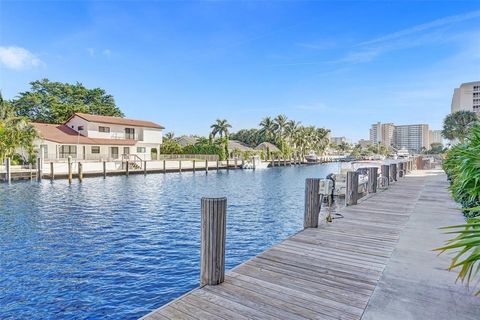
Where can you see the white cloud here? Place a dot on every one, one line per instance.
(17, 58)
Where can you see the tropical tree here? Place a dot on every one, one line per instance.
(169, 135)
(220, 127)
(268, 129)
(16, 133)
(281, 122)
(55, 102)
(458, 124)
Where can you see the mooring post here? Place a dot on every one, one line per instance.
(104, 169)
(372, 179)
(164, 166)
(179, 165)
(9, 169)
(385, 170)
(351, 196)
(213, 229)
(206, 166)
(80, 172)
(145, 167)
(193, 165)
(313, 203)
(228, 164)
(69, 166)
(218, 164)
(127, 168)
(52, 174)
(393, 171)
(235, 163)
(39, 169)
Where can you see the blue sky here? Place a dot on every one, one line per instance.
(341, 65)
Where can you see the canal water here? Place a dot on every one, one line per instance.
(123, 246)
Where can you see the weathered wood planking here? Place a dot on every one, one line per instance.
(328, 272)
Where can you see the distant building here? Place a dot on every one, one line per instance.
(186, 140)
(382, 133)
(338, 140)
(435, 136)
(412, 137)
(364, 143)
(466, 97)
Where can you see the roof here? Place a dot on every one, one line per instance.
(264, 145)
(116, 120)
(186, 140)
(63, 134)
(238, 145)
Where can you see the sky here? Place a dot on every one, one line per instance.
(336, 64)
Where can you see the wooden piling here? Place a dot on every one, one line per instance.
(104, 169)
(213, 229)
(206, 166)
(193, 165)
(69, 165)
(52, 174)
(351, 196)
(179, 165)
(80, 172)
(145, 167)
(313, 203)
(393, 172)
(235, 163)
(228, 164)
(39, 169)
(385, 170)
(8, 164)
(372, 179)
(164, 166)
(127, 168)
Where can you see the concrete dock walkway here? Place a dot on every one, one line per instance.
(375, 263)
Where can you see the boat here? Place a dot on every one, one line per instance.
(403, 153)
(255, 162)
(311, 157)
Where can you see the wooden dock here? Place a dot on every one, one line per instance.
(328, 272)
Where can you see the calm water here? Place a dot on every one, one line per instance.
(120, 247)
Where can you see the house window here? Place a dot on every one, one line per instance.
(103, 129)
(130, 133)
(95, 149)
(141, 150)
(66, 151)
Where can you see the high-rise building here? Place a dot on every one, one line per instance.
(338, 140)
(412, 137)
(466, 97)
(436, 137)
(382, 133)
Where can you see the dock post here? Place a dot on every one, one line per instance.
(393, 172)
(164, 166)
(235, 163)
(385, 170)
(351, 195)
(179, 165)
(69, 164)
(212, 255)
(104, 169)
(313, 203)
(284, 162)
(218, 164)
(127, 168)
(206, 166)
(8, 163)
(193, 165)
(372, 179)
(80, 172)
(52, 174)
(145, 167)
(39, 169)
(228, 164)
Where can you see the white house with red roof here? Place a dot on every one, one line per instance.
(92, 137)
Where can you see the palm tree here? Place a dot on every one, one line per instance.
(458, 124)
(169, 135)
(281, 122)
(15, 132)
(267, 129)
(220, 127)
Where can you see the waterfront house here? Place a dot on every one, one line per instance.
(92, 137)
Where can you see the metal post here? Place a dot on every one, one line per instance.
(351, 196)
(313, 203)
(213, 228)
